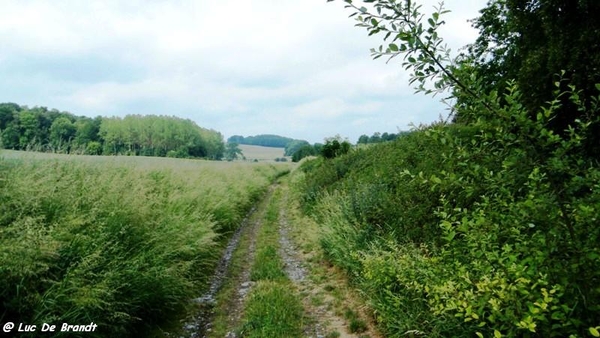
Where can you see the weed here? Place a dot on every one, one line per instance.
(356, 325)
(333, 334)
(267, 265)
(273, 311)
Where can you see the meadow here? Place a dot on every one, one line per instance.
(124, 242)
(260, 153)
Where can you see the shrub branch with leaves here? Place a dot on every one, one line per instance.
(486, 227)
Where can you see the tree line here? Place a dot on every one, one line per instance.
(264, 140)
(41, 129)
(378, 137)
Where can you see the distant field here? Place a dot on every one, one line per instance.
(250, 152)
(137, 161)
(262, 153)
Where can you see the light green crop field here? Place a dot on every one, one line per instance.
(261, 153)
(124, 242)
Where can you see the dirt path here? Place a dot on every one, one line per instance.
(326, 301)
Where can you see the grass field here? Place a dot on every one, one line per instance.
(261, 153)
(124, 242)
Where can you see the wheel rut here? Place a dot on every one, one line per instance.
(221, 309)
(200, 326)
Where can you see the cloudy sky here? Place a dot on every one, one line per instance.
(296, 68)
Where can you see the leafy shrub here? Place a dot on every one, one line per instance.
(461, 230)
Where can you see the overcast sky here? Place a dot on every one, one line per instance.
(296, 68)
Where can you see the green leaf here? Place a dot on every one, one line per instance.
(393, 47)
(598, 86)
(363, 9)
(431, 22)
(593, 330)
(374, 22)
(479, 334)
(497, 334)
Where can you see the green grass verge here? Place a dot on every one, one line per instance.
(273, 308)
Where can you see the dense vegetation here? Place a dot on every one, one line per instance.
(379, 137)
(532, 41)
(486, 226)
(125, 243)
(40, 129)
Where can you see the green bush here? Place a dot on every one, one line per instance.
(461, 230)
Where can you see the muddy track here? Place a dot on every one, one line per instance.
(201, 324)
(320, 320)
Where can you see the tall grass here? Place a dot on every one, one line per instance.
(124, 245)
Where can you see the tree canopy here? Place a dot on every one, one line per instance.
(23, 128)
(538, 43)
(509, 186)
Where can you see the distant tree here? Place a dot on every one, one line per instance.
(376, 138)
(264, 140)
(62, 132)
(232, 151)
(335, 147)
(159, 136)
(236, 139)
(8, 112)
(93, 148)
(294, 146)
(30, 134)
(363, 139)
(87, 131)
(305, 151)
(10, 135)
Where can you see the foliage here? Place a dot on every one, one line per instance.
(379, 137)
(40, 129)
(530, 42)
(485, 227)
(304, 151)
(294, 146)
(158, 135)
(454, 230)
(265, 140)
(334, 147)
(122, 244)
(232, 151)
